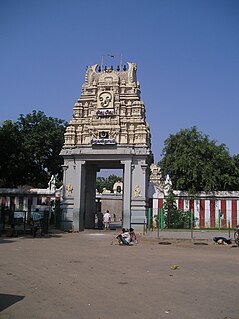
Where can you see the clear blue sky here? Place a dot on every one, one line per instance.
(187, 53)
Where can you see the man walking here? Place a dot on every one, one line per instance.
(106, 220)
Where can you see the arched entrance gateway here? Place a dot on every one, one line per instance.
(108, 130)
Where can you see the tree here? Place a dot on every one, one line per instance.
(100, 183)
(11, 155)
(34, 155)
(173, 217)
(196, 163)
(108, 182)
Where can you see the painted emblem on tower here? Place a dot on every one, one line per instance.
(105, 104)
(105, 99)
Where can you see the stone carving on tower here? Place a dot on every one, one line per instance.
(109, 111)
(156, 177)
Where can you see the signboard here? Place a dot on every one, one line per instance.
(103, 141)
(19, 218)
(105, 112)
(37, 215)
(19, 214)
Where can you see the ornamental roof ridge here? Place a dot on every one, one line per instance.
(95, 73)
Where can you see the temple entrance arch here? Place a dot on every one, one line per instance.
(108, 130)
(109, 196)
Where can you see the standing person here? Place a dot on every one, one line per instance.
(36, 227)
(106, 219)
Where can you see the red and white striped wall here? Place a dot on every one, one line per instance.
(221, 208)
(23, 202)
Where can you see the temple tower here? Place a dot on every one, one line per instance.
(108, 130)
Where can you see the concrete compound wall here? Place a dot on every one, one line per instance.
(210, 211)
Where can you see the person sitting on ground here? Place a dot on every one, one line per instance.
(133, 238)
(124, 237)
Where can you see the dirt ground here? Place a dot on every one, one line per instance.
(88, 276)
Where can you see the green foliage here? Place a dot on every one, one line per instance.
(11, 155)
(31, 148)
(195, 163)
(173, 217)
(108, 182)
(100, 182)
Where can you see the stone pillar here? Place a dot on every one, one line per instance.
(145, 185)
(127, 194)
(67, 203)
(139, 194)
(90, 195)
(73, 205)
(34, 201)
(25, 203)
(64, 168)
(79, 197)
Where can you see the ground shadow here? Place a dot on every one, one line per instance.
(6, 241)
(8, 300)
(47, 236)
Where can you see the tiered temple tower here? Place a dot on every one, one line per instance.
(108, 130)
